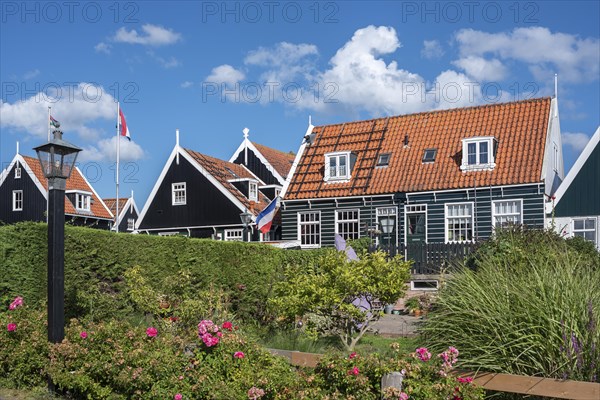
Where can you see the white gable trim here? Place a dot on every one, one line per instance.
(180, 151)
(95, 194)
(159, 181)
(29, 171)
(296, 161)
(215, 182)
(583, 157)
(130, 203)
(248, 143)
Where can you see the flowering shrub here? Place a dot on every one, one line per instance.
(424, 377)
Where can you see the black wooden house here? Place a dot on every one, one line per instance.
(24, 193)
(128, 213)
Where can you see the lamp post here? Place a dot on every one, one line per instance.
(246, 218)
(57, 159)
(387, 226)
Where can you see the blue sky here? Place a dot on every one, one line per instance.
(213, 68)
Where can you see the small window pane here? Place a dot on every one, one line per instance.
(483, 152)
(472, 154)
(578, 224)
(590, 224)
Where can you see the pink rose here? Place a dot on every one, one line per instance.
(239, 354)
(17, 302)
(11, 327)
(151, 332)
(403, 396)
(83, 335)
(210, 340)
(354, 371)
(255, 393)
(352, 355)
(467, 379)
(178, 396)
(227, 325)
(423, 354)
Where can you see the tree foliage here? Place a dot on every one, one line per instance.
(336, 296)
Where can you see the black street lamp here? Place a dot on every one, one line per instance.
(387, 226)
(246, 218)
(57, 159)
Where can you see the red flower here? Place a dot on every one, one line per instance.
(11, 327)
(352, 355)
(83, 335)
(239, 354)
(151, 332)
(227, 325)
(354, 371)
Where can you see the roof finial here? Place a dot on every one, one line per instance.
(309, 119)
(17, 147)
(555, 86)
(177, 145)
(246, 131)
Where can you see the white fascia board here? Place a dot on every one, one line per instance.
(296, 162)
(248, 143)
(574, 171)
(214, 181)
(159, 181)
(33, 177)
(94, 192)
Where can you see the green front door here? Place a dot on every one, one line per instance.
(415, 236)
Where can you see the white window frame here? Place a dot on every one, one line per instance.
(478, 165)
(178, 199)
(415, 209)
(338, 176)
(252, 191)
(17, 172)
(130, 224)
(303, 223)
(339, 221)
(497, 215)
(435, 283)
(17, 203)
(234, 235)
(82, 201)
(446, 221)
(585, 230)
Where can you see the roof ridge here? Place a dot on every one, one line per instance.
(447, 110)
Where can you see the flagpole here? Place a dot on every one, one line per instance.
(48, 199)
(118, 156)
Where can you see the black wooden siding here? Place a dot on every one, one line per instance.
(205, 204)
(128, 214)
(532, 196)
(582, 198)
(34, 203)
(257, 167)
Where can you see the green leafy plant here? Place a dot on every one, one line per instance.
(336, 296)
(530, 308)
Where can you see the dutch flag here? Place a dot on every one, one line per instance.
(265, 218)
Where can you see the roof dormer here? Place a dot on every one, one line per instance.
(248, 187)
(338, 166)
(479, 153)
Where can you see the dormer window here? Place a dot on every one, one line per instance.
(82, 201)
(253, 191)
(429, 155)
(383, 160)
(338, 166)
(478, 154)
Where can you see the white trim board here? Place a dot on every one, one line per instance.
(29, 171)
(579, 163)
(247, 143)
(296, 162)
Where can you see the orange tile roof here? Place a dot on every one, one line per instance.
(75, 182)
(223, 171)
(281, 161)
(519, 127)
(112, 204)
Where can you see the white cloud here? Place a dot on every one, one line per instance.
(481, 69)
(575, 59)
(186, 84)
(282, 54)
(432, 49)
(225, 74)
(102, 48)
(577, 141)
(106, 150)
(172, 62)
(31, 74)
(152, 35)
(75, 108)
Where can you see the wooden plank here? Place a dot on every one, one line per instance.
(537, 386)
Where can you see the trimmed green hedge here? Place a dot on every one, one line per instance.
(96, 260)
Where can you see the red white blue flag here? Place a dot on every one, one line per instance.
(124, 129)
(265, 218)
